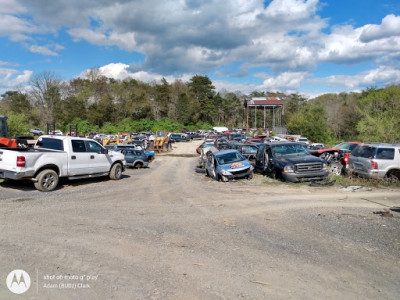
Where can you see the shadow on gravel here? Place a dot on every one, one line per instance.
(26, 185)
(18, 185)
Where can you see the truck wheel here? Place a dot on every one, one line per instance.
(47, 180)
(116, 171)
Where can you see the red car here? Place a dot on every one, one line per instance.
(338, 155)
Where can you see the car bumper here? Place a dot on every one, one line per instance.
(296, 177)
(240, 174)
(368, 174)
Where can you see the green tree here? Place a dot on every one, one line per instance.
(310, 121)
(380, 110)
(17, 124)
(204, 92)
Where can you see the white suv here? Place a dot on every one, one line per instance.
(375, 160)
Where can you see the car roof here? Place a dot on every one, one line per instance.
(380, 144)
(283, 143)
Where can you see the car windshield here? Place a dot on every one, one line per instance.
(249, 149)
(345, 146)
(229, 158)
(289, 149)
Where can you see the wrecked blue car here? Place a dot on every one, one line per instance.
(228, 164)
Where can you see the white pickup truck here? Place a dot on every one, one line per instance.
(53, 157)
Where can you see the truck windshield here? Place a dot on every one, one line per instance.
(289, 149)
(49, 143)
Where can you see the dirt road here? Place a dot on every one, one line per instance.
(167, 232)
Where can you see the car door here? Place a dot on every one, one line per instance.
(79, 158)
(210, 166)
(99, 161)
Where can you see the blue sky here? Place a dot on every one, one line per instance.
(310, 47)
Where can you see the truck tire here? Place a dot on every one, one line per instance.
(47, 180)
(116, 171)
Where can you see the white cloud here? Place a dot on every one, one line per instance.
(376, 77)
(44, 50)
(352, 45)
(11, 78)
(122, 71)
(390, 27)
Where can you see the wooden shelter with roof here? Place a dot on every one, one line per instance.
(266, 103)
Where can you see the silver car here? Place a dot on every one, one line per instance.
(374, 160)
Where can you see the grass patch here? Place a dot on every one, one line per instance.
(352, 180)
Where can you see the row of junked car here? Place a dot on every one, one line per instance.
(135, 156)
(293, 162)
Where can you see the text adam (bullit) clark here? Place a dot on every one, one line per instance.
(66, 285)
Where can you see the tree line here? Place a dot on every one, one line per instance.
(98, 103)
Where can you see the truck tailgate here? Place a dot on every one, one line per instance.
(8, 159)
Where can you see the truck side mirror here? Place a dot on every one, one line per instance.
(105, 151)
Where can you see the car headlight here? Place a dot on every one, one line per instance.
(225, 172)
(325, 166)
(288, 169)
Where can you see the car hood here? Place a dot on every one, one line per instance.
(245, 164)
(299, 159)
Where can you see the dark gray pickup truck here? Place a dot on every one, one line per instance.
(290, 162)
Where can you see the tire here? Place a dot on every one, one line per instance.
(138, 165)
(47, 180)
(336, 168)
(392, 177)
(224, 178)
(274, 175)
(116, 171)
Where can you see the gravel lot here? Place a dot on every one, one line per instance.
(166, 232)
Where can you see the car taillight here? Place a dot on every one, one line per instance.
(374, 165)
(21, 161)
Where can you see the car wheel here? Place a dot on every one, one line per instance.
(392, 177)
(336, 168)
(138, 165)
(224, 178)
(116, 171)
(46, 180)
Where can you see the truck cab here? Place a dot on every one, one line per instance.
(290, 162)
